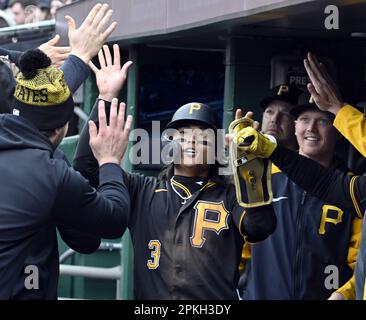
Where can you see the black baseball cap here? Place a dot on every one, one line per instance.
(307, 103)
(283, 92)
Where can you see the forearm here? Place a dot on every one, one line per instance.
(84, 160)
(351, 123)
(103, 213)
(75, 72)
(79, 241)
(12, 54)
(117, 209)
(326, 184)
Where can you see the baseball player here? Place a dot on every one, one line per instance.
(186, 221)
(277, 119)
(341, 190)
(311, 234)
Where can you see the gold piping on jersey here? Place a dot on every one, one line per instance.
(353, 197)
(181, 186)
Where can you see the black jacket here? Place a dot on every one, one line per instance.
(37, 193)
(311, 235)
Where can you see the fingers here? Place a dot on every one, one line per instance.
(126, 67)
(101, 59)
(62, 57)
(54, 40)
(116, 56)
(121, 116)
(314, 80)
(102, 118)
(62, 50)
(113, 113)
(93, 12)
(70, 23)
(100, 15)
(249, 115)
(238, 114)
(103, 23)
(109, 30)
(107, 54)
(93, 67)
(256, 125)
(328, 78)
(314, 93)
(315, 67)
(93, 132)
(228, 139)
(128, 125)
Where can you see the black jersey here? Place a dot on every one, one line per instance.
(187, 233)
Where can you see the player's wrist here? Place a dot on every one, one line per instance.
(106, 160)
(107, 96)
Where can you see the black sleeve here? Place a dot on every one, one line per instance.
(254, 224)
(103, 213)
(75, 72)
(13, 55)
(84, 160)
(333, 186)
(259, 223)
(79, 241)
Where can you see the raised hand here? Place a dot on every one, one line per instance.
(110, 77)
(109, 143)
(322, 87)
(86, 41)
(238, 115)
(57, 54)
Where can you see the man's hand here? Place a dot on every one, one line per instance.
(258, 144)
(322, 87)
(87, 40)
(110, 142)
(239, 114)
(110, 77)
(57, 54)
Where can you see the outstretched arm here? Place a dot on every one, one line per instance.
(110, 80)
(347, 192)
(329, 185)
(104, 213)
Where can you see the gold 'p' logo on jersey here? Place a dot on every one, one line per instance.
(194, 107)
(328, 208)
(202, 223)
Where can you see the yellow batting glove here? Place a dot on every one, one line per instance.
(253, 142)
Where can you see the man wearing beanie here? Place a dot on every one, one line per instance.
(41, 192)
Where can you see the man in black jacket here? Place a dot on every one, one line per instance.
(41, 191)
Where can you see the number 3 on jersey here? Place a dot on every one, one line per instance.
(155, 246)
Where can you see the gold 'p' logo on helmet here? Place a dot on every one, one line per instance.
(282, 89)
(194, 107)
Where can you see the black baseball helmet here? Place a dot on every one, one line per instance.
(194, 112)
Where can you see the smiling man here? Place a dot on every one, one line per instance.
(277, 120)
(312, 235)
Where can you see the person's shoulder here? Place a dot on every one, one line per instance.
(339, 165)
(142, 179)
